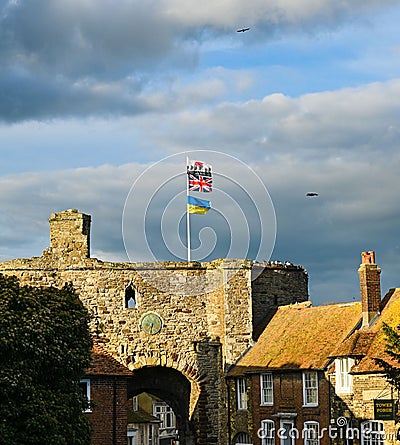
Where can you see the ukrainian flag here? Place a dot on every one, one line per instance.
(196, 205)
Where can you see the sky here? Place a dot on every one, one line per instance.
(102, 101)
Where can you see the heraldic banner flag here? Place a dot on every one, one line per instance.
(196, 205)
(199, 176)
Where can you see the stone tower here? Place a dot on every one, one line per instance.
(177, 326)
(69, 235)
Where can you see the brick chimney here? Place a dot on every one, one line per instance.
(70, 235)
(370, 287)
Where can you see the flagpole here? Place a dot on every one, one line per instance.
(187, 213)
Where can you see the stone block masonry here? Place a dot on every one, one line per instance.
(202, 332)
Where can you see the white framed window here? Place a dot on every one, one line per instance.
(85, 388)
(166, 414)
(151, 434)
(311, 433)
(310, 388)
(242, 439)
(267, 389)
(267, 432)
(344, 380)
(241, 396)
(372, 433)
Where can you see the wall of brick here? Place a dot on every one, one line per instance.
(108, 415)
(370, 290)
(288, 399)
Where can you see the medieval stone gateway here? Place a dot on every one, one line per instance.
(177, 326)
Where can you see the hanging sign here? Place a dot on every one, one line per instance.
(384, 409)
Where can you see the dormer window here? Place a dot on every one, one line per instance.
(344, 380)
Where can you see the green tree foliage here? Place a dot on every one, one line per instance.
(391, 366)
(44, 347)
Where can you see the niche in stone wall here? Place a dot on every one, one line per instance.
(130, 300)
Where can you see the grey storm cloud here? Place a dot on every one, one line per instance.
(81, 58)
(28, 96)
(70, 58)
(73, 38)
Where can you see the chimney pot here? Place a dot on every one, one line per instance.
(368, 257)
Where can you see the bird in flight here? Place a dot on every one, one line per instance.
(311, 194)
(242, 29)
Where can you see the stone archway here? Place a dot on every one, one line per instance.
(171, 386)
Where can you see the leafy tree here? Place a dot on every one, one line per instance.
(44, 347)
(391, 364)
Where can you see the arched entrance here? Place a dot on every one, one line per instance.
(172, 387)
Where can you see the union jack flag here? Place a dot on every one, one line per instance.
(199, 183)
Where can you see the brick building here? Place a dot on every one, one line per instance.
(361, 395)
(314, 370)
(280, 384)
(106, 384)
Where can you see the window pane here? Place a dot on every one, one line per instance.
(242, 439)
(310, 388)
(372, 433)
(311, 433)
(267, 395)
(85, 388)
(241, 393)
(267, 432)
(343, 376)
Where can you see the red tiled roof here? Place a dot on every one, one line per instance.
(356, 345)
(102, 363)
(300, 336)
(390, 315)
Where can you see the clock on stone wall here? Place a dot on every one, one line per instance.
(151, 323)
